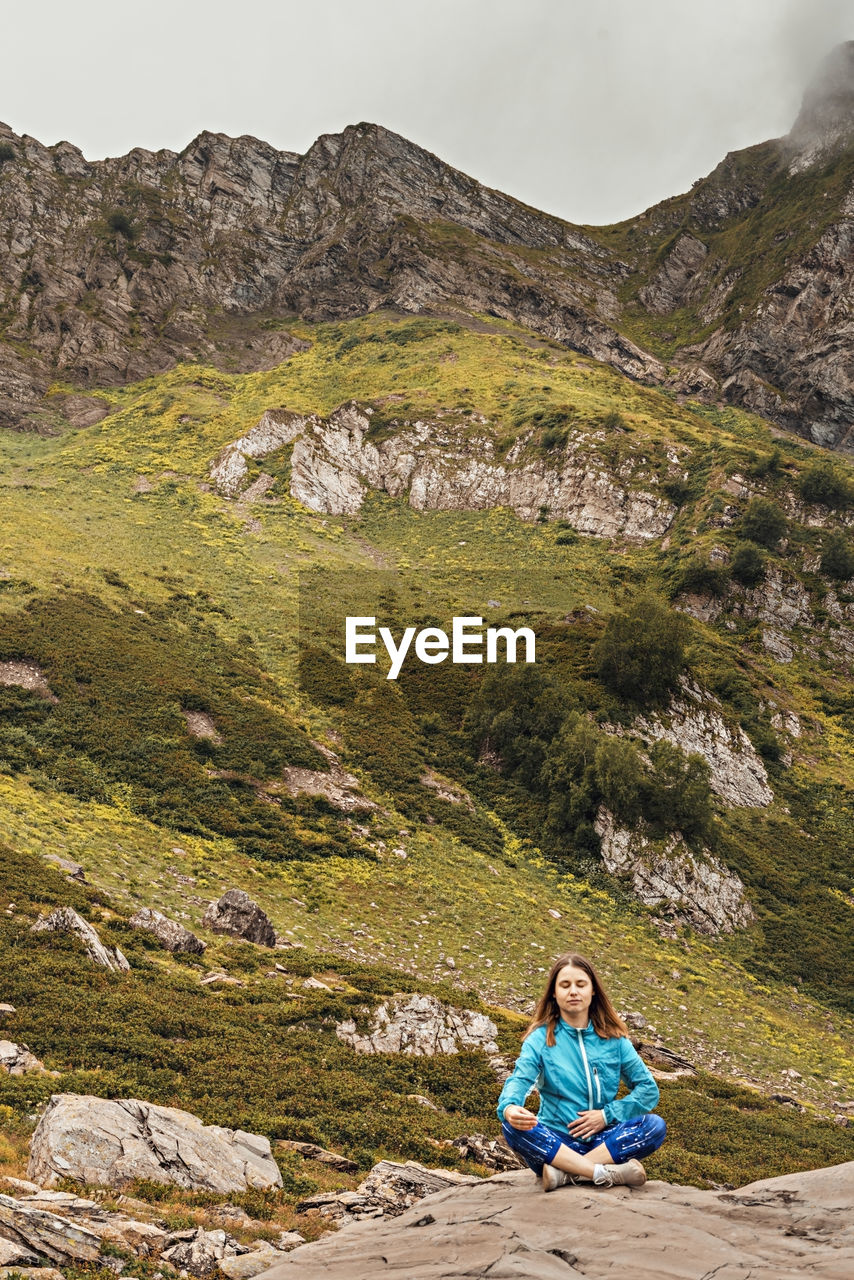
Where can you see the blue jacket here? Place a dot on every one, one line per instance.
(579, 1072)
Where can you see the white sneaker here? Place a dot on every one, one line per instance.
(630, 1174)
(554, 1178)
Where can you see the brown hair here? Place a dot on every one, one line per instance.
(606, 1021)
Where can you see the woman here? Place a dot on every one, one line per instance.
(576, 1051)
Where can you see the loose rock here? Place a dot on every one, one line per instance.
(15, 1059)
(236, 914)
(171, 935)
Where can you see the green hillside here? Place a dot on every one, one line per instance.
(143, 598)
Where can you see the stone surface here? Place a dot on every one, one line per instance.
(782, 1229)
(421, 1025)
(694, 886)
(245, 1265)
(110, 1143)
(11, 1253)
(171, 935)
(15, 1059)
(31, 1273)
(66, 920)
(236, 914)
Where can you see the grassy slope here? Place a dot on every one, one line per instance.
(192, 560)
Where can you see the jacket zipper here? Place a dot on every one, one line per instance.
(586, 1068)
(598, 1089)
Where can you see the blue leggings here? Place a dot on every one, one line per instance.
(631, 1138)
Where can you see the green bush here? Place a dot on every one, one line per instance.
(826, 485)
(641, 654)
(7, 152)
(120, 224)
(747, 566)
(701, 578)
(763, 522)
(837, 559)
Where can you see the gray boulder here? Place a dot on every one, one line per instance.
(171, 935)
(112, 1142)
(66, 920)
(15, 1059)
(236, 914)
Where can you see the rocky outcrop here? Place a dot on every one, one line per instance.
(201, 1252)
(781, 1229)
(236, 914)
(694, 724)
(48, 1235)
(16, 1059)
(694, 887)
(110, 1143)
(388, 1191)
(66, 920)
(171, 935)
(420, 1025)
(276, 428)
(441, 466)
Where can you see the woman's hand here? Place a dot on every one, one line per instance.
(519, 1117)
(587, 1124)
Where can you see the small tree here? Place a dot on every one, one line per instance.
(642, 651)
(763, 522)
(824, 484)
(837, 559)
(747, 566)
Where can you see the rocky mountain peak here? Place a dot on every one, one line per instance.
(826, 119)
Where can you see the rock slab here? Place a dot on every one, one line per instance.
(112, 1142)
(781, 1229)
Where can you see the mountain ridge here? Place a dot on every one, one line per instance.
(734, 292)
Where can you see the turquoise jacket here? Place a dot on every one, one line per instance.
(579, 1072)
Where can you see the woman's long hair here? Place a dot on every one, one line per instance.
(606, 1021)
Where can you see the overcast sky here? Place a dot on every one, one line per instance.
(590, 109)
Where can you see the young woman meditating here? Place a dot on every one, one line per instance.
(576, 1051)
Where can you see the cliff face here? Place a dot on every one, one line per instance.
(113, 270)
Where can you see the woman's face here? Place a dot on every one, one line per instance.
(574, 994)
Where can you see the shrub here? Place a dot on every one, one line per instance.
(642, 651)
(119, 223)
(825, 485)
(837, 559)
(7, 152)
(769, 464)
(614, 421)
(678, 491)
(748, 566)
(701, 578)
(763, 522)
